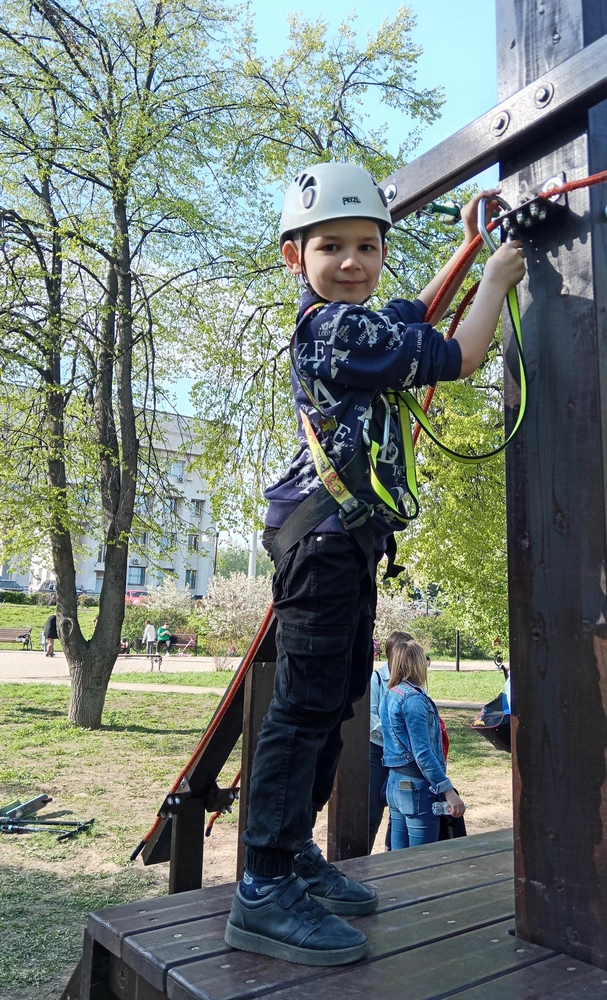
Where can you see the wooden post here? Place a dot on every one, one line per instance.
(348, 809)
(259, 685)
(556, 498)
(187, 846)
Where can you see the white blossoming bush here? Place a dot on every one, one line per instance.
(394, 613)
(233, 610)
(169, 596)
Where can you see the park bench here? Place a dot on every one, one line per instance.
(184, 640)
(22, 635)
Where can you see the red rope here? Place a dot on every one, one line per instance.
(467, 257)
(217, 814)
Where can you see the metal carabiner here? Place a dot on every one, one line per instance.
(482, 212)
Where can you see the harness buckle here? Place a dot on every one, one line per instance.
(354, 513)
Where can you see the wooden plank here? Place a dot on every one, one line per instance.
(558, 978)
(556, 479)
(259, 687)
(127, 984)
(579, 83)
(348, 808)
(72, 989)
(429, 971)
(206, 765)
(110, 926)
(430, 856)
(154, 955)
(187, 846)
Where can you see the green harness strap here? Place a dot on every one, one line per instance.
(417, 412)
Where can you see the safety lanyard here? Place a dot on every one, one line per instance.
(418, 413)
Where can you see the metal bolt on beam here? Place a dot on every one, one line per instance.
(499, 123)
(543, 95)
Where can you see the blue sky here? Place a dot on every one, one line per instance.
(458, 54)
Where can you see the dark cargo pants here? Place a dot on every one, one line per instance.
(324, 601)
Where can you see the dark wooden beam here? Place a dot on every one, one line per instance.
(259, 685)
(575, 85)
(556, 500)
(348, 808)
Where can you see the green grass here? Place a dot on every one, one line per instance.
(469, 685)
(198, 678)
(24, 615)
(118, 774)
(444, 685)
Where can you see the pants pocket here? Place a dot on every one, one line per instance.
(315, 666)
(408, 800)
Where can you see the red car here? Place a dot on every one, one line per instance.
(136, 596)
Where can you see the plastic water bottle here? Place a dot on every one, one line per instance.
(441, 808)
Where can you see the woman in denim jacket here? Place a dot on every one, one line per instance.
(413, 751)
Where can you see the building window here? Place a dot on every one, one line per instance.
(190, 578)
(198, 508)
(101, 554)
(98, 580)
(140, 538)
(136, 576)
(193, 543)
(171, 505)
(178, 469)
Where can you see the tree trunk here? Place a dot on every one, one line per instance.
(89, 686)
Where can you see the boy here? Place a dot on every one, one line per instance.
(329, 523)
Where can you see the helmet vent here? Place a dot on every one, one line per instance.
(308, 190)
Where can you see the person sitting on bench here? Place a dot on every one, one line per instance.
(165, 635)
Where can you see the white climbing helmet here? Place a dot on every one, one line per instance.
(332, 191)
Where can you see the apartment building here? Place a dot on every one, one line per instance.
(186, 550)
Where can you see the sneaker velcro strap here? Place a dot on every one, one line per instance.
(294, 890)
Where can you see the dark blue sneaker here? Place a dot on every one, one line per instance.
(290, 925)
(337, 893)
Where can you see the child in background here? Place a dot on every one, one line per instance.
(378, 774)
(413, 750)
(149, 637)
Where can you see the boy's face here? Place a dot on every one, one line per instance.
(342, 259)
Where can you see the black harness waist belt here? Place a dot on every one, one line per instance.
(320, 505)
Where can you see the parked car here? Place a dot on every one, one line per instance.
(48, 587)
(11, 585)
(136, 596)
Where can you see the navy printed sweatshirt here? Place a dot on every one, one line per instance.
(347, 353)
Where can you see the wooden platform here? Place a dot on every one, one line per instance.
(444, 927)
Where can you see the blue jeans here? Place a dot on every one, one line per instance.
(378, 775)
(413, 822)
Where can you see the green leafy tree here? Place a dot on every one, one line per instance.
(235, 559)
(110, 120)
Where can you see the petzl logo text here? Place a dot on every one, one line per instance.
(351, 200)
